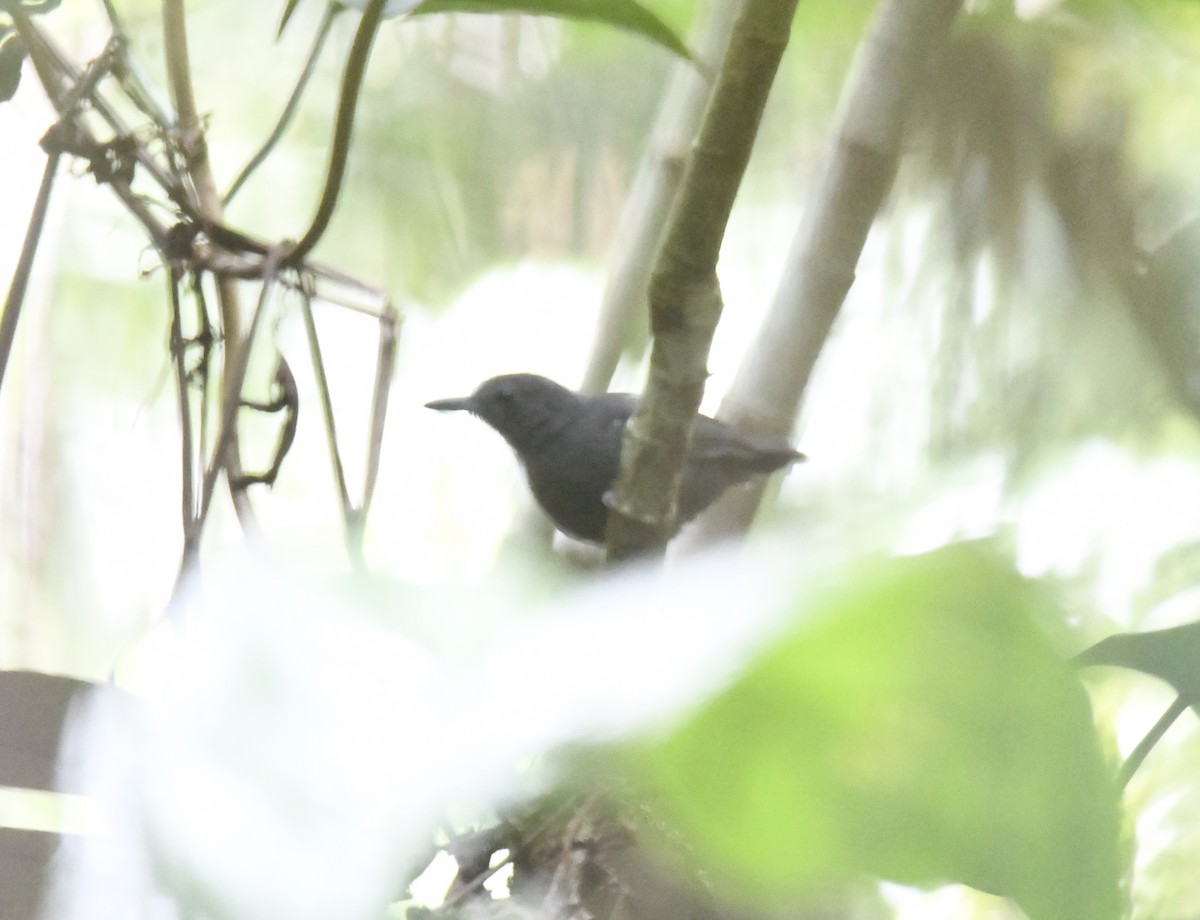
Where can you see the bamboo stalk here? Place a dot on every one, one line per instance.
(851, 187)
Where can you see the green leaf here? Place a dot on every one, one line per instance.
(917, 727)
(1172, 655)
(12, 54)
(625, 14)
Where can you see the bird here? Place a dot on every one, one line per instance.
(569, 445)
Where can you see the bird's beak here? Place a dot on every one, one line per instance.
(451, 405)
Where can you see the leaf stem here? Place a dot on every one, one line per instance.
(1139, 753)
(293, 103)
(356, 67)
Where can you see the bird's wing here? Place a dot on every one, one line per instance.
(716, 442)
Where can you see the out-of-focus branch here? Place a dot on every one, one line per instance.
(226, 251)
(685, 299)
(20, 280)
(339, 154)
(126, 68)
(236, 363)
(188, 127)
(648, 206)
(66, 87)
(189, 130)
(293, 103)
(193, 240)
(354, 516)
(188, 506)
(385, 367)
(66, 96)
(285, 399)
(856, 176)
(322, 379)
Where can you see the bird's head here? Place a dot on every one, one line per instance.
(519, 406)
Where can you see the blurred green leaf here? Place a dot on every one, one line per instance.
(12, 54)
(625, 14)
(916, 728)
(1172, 655)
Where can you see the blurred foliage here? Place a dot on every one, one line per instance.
(904, 717)
(1168, 654)
(483, 139)
(625, 14)
(915, 727)
(495, 173)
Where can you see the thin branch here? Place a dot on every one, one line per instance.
(179, 353)
(184, 175)
(20, 279)
(293, 103)
(320, 272)
(685, 299)
(235, 375)
(189, 131)
(647, 208)
(189, 126)
(385, 366)
(227, 256)
(1139, 753)
(207, 341)
(356, 67)
(354, 518)
(472, 886)
(96, 70)
(53, 78)
(57, 73)
(128, 73)
(318, 362)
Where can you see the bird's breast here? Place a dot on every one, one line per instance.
(570, 474)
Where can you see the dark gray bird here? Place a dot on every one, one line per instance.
(570, 447)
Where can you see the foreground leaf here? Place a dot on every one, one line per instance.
(625, 14)
(12, 54)
(917, 728)
(1172, 655)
